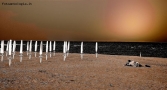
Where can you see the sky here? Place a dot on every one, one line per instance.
(84, 20)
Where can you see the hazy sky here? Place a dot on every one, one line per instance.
(84, 20)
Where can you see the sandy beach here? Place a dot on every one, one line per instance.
(107, 72)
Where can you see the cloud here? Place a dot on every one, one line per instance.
(11, 29)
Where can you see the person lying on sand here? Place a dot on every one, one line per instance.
(133, 64)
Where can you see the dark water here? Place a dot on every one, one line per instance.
(109, 48)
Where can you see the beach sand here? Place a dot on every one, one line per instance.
(107, 72)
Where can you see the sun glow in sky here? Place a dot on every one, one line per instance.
(132, 20)
(85, 20)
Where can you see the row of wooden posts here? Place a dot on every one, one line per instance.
(10, 49)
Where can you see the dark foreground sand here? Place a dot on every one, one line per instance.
(107, 72)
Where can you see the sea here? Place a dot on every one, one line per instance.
(147, 49)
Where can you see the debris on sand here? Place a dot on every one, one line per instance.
(147, 66)
(42, 71)
(111, 85)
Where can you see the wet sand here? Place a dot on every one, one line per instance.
(107, 72)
